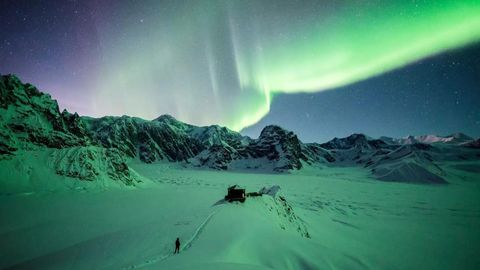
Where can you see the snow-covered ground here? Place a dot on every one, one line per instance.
(331, 218)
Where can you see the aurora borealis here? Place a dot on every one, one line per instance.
(219, 62)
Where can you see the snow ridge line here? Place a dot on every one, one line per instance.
(188, 244)
(197, 232)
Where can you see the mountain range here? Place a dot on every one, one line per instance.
(87, 148)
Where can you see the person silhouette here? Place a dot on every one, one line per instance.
(177, 246)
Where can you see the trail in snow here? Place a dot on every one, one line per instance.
(186, 246)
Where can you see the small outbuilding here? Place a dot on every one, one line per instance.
(235, 193)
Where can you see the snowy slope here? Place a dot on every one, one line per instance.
(408, 163)
(353, 222)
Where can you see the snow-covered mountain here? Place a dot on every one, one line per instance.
(455, 138)
(88, 148)
(407, 163)
(31, 121)
(149, 140)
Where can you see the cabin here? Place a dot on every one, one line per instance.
(235, 193)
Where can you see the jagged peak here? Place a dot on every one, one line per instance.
(65, 112)
(358, 136)
(11, 77)
(166, 118)
(353, 140)
(273, 129)
(15, 83)
(11, 83)
(352, 137)
(219, 129)
(14, 91)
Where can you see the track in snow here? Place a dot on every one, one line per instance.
(186, 246)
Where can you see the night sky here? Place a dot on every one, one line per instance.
(320, 68)
(438, 95)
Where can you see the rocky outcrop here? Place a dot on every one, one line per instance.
(149, 140)
(89, 163)
(30, 116)
(216, 157)
(314, 153)
(275, 148)
(280, 146)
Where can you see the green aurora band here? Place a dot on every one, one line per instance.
(247, 53)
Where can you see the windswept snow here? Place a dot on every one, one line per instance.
(330, 218)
